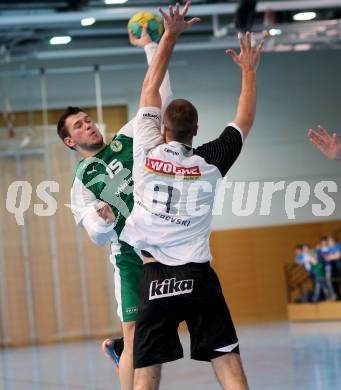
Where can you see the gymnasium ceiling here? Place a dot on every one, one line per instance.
(27, 26)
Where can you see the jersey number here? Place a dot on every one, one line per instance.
(173, 197)
(113, 168)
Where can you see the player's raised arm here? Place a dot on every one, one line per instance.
(248, 60)
(223, 151)
(145, 42)
(147, 124)
(175, 24)
(330, 146)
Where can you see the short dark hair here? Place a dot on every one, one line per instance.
(324, 238)
(62, 131)
(181, 119)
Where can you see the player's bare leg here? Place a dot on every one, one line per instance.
(147, 378)
(126, 367)
(229, 372)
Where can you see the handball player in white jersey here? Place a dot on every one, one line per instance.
(171, 220)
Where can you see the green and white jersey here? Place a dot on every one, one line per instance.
(107, 177)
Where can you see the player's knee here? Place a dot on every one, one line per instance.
(128, 333)
(147, 378)
(229, 370)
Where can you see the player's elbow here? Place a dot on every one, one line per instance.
(245, 125)
(150, 91)
(146, 84)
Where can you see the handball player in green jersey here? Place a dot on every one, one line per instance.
(101, 200)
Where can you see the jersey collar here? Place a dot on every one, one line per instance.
(176, 144)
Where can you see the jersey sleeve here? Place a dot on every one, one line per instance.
(223, 151)
(128, 129)
(84, 209)
(147, 131)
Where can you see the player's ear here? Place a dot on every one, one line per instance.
(195, 131)
(68, 141)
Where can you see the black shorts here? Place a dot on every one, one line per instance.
(171, 294)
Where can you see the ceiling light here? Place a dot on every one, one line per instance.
(60, 40)
(88, 21)
(275, 31)
(305, 16)
(115, 1)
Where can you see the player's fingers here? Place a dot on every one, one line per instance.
(186, 8)
(241, 41)
(101, 211)
(248, 41)
(233, 54)
(335, 138)
(131, 36)
(317, 144)
(261, 45)
(100, 205)
(313, 135)
(163, 13)
(144, 30)
(171, 11)
(316, 139)
(177, 9)
(323, 133)
(193, 21)
(310, 133)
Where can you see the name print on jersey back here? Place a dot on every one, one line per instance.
(161, 167)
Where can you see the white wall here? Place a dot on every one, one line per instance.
(295, 91)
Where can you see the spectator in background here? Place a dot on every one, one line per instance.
(334, 257)
(323, 256)
(303, 259)
(334, 253)
(318, 270)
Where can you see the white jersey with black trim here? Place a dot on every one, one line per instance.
(174, 191)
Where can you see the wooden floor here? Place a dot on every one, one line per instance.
(276, 356)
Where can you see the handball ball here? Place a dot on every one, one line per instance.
(155, 25)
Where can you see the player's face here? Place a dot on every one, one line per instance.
(83, 132)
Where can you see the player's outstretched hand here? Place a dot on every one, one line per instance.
(175, 22)
(330, 146)
(248, 58)
(105, 212)
(143, 41)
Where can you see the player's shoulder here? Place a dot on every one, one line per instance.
(120, 142)
(77, 171)
(90, 168)
(122, 138)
